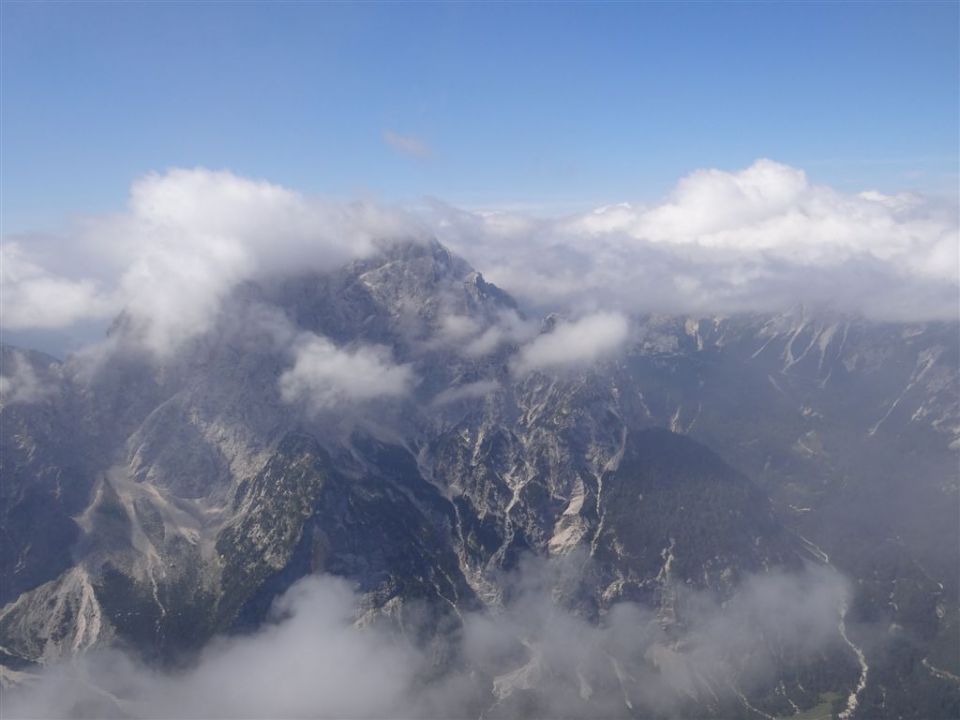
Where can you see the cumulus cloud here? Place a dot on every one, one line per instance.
(573, 343)
(324, 376)
(757, 240)
(527, 656)
(186, 238)
(472, 338)
(32, 297)
(406, 144)
(760, 239)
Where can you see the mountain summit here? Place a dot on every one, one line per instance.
(373, 424)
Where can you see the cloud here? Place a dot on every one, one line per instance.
(530, 655)
(631, 659)
(32, 297)
(757, 240)
(474, 339)
(20, 383)
(573, 344)
(187, 238)
(307, 661)
(324, 376)
(477, 389)
(760, 239)
(406, 144)
(509, 327)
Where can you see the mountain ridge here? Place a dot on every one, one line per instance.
(193, 507)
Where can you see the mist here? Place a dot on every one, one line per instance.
(319, 655)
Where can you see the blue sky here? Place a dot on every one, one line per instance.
(528, 105)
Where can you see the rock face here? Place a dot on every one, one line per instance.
(157, 501)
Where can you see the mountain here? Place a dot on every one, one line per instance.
(156, 501)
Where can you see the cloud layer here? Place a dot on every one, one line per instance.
(760, 239)
(308, 662)
(311, 660)
(757, 240)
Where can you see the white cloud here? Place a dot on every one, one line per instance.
(202, 232)
(311, 660)
(187, 237)
(324, 376)
(32, 297)
(509, 327)
(308, 662)
(406, 144)
(20, 383)
(760, 239)
(471, 338)
(573, 344)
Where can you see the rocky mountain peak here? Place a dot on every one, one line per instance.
(171, 500)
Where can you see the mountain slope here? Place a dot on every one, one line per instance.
(155, 501)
